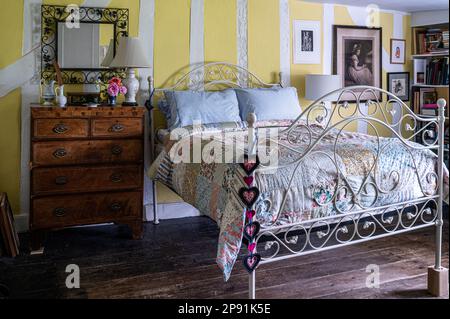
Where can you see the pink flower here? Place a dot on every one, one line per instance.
(116, 80)
(123, 90)
(113, 89)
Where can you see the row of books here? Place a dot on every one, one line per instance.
(432, 41)
(425, 101)
(437, 71)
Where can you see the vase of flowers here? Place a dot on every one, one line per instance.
(115, 87)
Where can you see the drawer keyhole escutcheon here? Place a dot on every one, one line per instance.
(116, 150)
(60, 153)
(61, 180)
(60, 128)
(116, 178)
(117, 128)
(115, 207)
(59, 212)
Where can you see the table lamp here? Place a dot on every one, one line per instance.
(319, 85)
(130, 55)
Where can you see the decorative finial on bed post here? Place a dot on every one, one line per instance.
(442, 103)
(251, 120)
(150, 83)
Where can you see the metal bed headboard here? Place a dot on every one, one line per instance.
(206, 77)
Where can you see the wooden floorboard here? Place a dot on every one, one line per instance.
(177, 260)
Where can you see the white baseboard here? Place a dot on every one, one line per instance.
(171, 211)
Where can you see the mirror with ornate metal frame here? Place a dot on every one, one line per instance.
(60, 34)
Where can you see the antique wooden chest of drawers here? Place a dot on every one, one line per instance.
(86, 168)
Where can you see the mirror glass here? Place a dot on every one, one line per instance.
(85, 47)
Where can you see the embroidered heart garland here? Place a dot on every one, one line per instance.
(250, 214)
(251, 248)
(251, 262)
(249, 195)
(251, 230)
(249, 166)
(248, 180)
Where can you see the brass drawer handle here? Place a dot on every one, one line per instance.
(115, 207)
(61, 180)
(59, 212)
(60, 128)
(116, 150)
(116, 178)
(117, 128)
(60, 153)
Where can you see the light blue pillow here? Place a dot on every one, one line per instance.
(207, 107)
(269, 104)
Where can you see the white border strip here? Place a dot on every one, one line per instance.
(197, 41)
(285, 43)
(146, 35)
(328, 21)
(242, 36)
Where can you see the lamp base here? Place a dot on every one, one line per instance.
(130, 104)
(132, 85)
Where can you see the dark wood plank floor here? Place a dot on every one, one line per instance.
(177, 260)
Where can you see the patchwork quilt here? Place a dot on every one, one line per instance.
(313, 188)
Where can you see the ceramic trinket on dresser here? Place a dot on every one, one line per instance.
(61, 99)
(47, 92)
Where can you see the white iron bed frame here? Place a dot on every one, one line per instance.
(362, 223)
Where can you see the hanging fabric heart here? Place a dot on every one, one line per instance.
(251, 248)
(249, 195)
(250, 214)
(251, 230)
(248, 180)
(251, 262)
(248, 165)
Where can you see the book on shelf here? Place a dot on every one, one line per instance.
(425, 101)
(437, 71)
(432, 40)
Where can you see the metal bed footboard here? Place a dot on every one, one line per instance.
(361, 223)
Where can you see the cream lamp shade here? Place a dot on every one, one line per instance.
(109, 54)
(318, 85)
(130, 54)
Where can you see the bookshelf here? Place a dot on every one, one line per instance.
(430, 80)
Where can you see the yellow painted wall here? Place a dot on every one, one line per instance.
(264, 39)
(171, 55)
(220, 31)
(11, 19)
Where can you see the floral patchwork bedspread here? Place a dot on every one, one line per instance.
(322, 184)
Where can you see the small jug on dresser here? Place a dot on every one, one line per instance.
(61, 100)
(47, 92)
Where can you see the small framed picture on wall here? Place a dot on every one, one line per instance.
(307, 42)
(398, 84)
(398, 49)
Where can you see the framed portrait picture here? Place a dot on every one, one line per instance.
(357, 58)
(398, 55)
(307, 42)
(398, 84)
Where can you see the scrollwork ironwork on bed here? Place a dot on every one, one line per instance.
(317, 123)
(214, 76)
(363, 217)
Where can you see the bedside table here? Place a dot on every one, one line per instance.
(86, 168)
